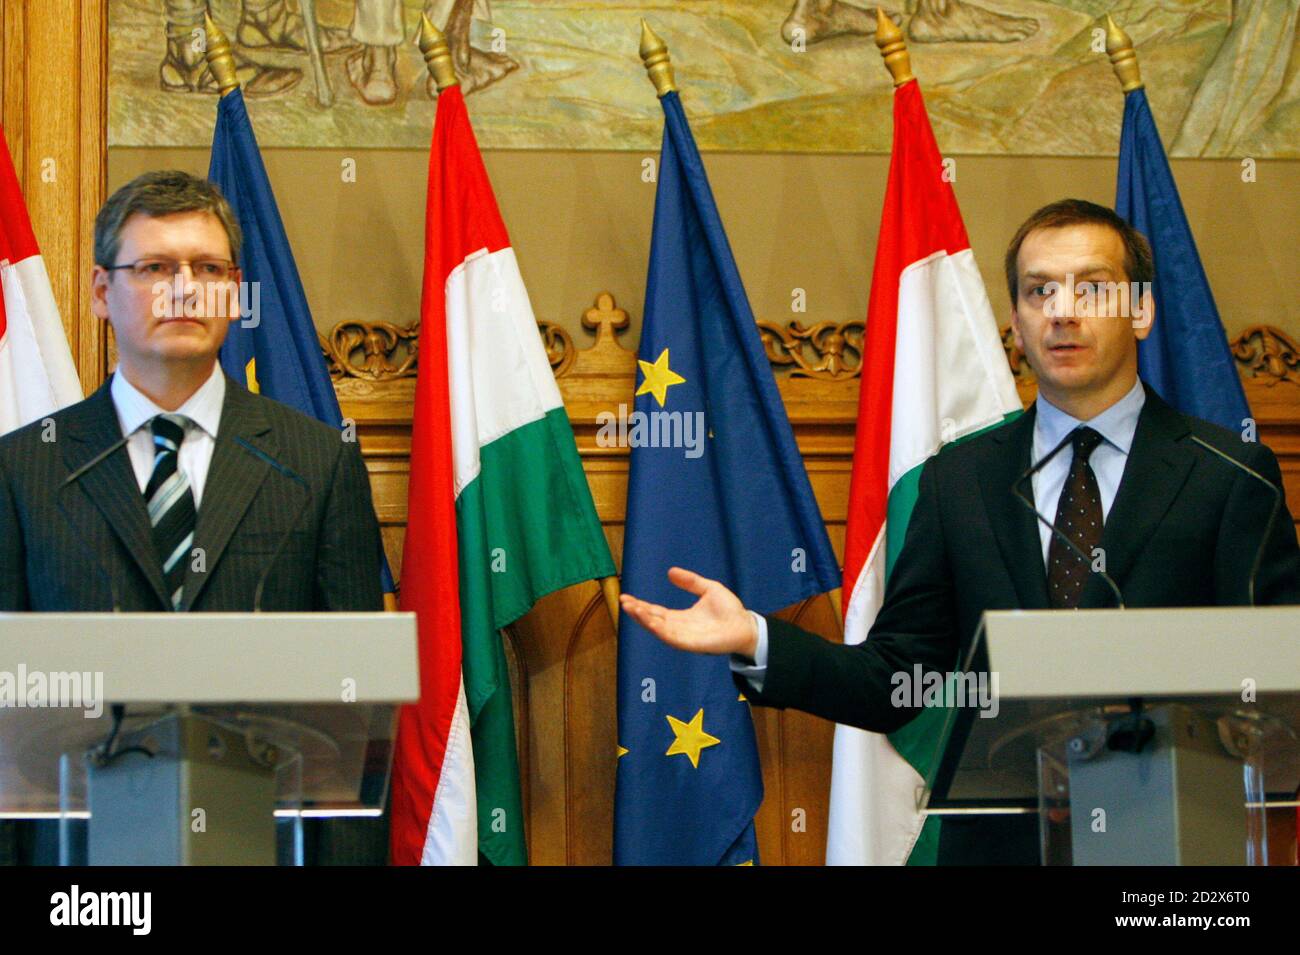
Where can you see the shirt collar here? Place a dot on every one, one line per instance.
(135, 409)
(1117, 424)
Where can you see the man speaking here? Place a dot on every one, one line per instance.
(1123, 475)
(172, 488)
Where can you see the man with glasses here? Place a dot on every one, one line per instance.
(172, 488)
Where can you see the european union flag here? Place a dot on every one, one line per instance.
(273, 350)
(1186, 357)
(717, 486)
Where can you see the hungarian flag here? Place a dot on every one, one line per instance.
(933, 372)
(500, 514)
(37, 374)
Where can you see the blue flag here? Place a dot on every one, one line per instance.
(717, 486)
(274, 350)
(1186, 358)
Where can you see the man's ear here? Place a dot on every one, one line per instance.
(1144, 316)
(1015, 327)
(99, 279)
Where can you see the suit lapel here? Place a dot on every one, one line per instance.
(234, 477)
(111, 485)
(1014, 525)
(1155, 472)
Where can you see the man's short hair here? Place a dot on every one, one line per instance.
(1138, 262)
(162, 192)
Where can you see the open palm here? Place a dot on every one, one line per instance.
(716, 623)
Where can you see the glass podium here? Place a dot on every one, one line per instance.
(1138, 737)
(207, 746)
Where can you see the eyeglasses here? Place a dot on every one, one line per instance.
(156, 267)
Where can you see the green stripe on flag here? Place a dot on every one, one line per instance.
(915, 742)
(526, 527)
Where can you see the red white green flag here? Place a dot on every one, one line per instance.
(500, 514)
(37, 374)
(933, 372)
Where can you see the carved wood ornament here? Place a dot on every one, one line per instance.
(827, 350)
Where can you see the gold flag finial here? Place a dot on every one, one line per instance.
(893, 48)
(220, 57)
(437, 56)
(654, 54)
(1119, 47)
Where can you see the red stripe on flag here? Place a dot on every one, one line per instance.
(461, 217)
(920, 217)
(17, 241)
(460, 192)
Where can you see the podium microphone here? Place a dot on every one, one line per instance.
(298, 479)
(1060, 534)
(1272, 515)
(72, 479)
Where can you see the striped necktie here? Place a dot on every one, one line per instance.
(171, 502)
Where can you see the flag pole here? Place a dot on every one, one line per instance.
(220, 57)
(437, 60)
(654, 55)
(659, 67)
(889, 38)
(1119, 47)
(437, 55)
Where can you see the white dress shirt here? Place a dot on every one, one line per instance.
(1117, 425)
(203, 408)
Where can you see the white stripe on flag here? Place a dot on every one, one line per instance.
(950, 380)
(452, 836)
(880, 826)
(950, 374)
(37, 373)
(500, 376)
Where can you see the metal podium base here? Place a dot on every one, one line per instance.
(182, 791)
(1177, 801)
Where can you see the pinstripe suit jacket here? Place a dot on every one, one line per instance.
(60, 544)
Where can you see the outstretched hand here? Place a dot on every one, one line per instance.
(716, 623)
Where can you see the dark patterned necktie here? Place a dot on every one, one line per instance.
(171, 502)
(1078, 514)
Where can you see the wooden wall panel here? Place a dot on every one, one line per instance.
(53, 106)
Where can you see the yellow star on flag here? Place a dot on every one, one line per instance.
(623, 750)
(690, 738)
(658, 378)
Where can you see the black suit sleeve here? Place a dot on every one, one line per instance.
(13, 572)
(916, 624)
(1243, 523)
(347, 566)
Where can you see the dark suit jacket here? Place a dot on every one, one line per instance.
(59, 546)
(1182, 532)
